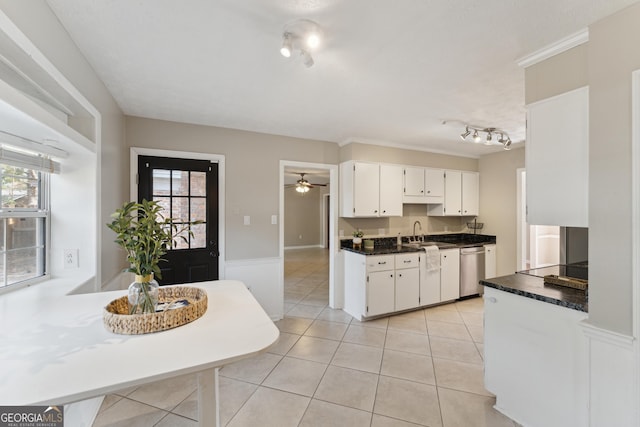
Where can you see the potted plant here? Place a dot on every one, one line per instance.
(146, 235)
(357, 238)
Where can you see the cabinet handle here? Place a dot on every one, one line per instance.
(382, 262)
(428, 191)
(400, 275)
(407, 261)
(384, 211)
(376, 211)
(422, 191)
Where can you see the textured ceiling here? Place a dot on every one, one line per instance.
(386, 71)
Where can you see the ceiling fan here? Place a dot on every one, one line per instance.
(302, 185)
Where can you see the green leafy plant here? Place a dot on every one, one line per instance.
(358, 233)
(146, 235)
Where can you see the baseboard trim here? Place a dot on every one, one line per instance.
(607, 336)
(287, 248)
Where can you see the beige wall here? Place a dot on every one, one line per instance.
(613, 55)
(498, 204)
(556, 75)
(302, 217)
(252, 163)
(37, 21)
(607, 61)
(378, 153)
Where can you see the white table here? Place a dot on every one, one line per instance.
(59, 352)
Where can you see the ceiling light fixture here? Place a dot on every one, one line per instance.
(503, 140)
(303, 35)
(286, 48)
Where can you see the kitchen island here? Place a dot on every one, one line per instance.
(535, 351)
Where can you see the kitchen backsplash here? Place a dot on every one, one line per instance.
(392, 226)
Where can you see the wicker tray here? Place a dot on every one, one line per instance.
(569, 282)
(117, 319)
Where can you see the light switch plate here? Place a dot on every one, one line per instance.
(247, 220)
(274, 219)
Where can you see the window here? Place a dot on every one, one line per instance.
(24, 219)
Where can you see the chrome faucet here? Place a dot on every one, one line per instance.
(415, 236)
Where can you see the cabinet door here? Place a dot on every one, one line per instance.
(434, 182)
(490, 261)
(557, 160)
(366, 189)
(390, 190)
(452, 193)
(413, 181)
(470, 196)
(380, 293)
(407, 288)
(450, 274)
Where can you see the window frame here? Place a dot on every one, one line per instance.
(43, 211)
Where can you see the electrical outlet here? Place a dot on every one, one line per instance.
(70, 258)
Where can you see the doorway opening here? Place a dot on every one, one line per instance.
(538, 245)
(307, 237)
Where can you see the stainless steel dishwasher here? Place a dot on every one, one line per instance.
(471, 271)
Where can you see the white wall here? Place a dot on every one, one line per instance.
(110, 167)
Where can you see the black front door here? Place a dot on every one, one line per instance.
(188, 191)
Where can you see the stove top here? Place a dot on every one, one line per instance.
(577, 271)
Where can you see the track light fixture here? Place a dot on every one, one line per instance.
(303, 35)
(503, 140)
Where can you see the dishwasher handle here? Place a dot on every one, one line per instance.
(471, 251)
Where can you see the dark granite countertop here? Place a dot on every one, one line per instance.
(534, 287)
(382, 250)
(389, 245)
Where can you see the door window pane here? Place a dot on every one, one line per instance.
(198, 209)
(161, 182)
(199, 239)
(179, 183)
(199, 184)
(180, 209)
(165, 203)
(181, 240)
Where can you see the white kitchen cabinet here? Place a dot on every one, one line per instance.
(470, 194)
(380, 293)
(370, 189)
(535, 360)
(557, 160)
(449, 274)
(380, 284)
(407, 281)
(490, 261)
(423, 185)
(390, 190)
(461, 195)
(413, 182)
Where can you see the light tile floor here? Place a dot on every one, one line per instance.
(419, 368)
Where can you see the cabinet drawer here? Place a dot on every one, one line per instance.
(380, 263)
(407, 261)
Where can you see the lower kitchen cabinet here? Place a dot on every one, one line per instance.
(380, 284)
(407, 288)
(449, 274)
(490, 261)
(380, 293)
(535, 360)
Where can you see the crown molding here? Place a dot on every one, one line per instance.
(405, 147)
(555, 48)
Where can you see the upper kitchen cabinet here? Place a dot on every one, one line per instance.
(423, 185)
(370, 189)
(557, 160)
(461, 195)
